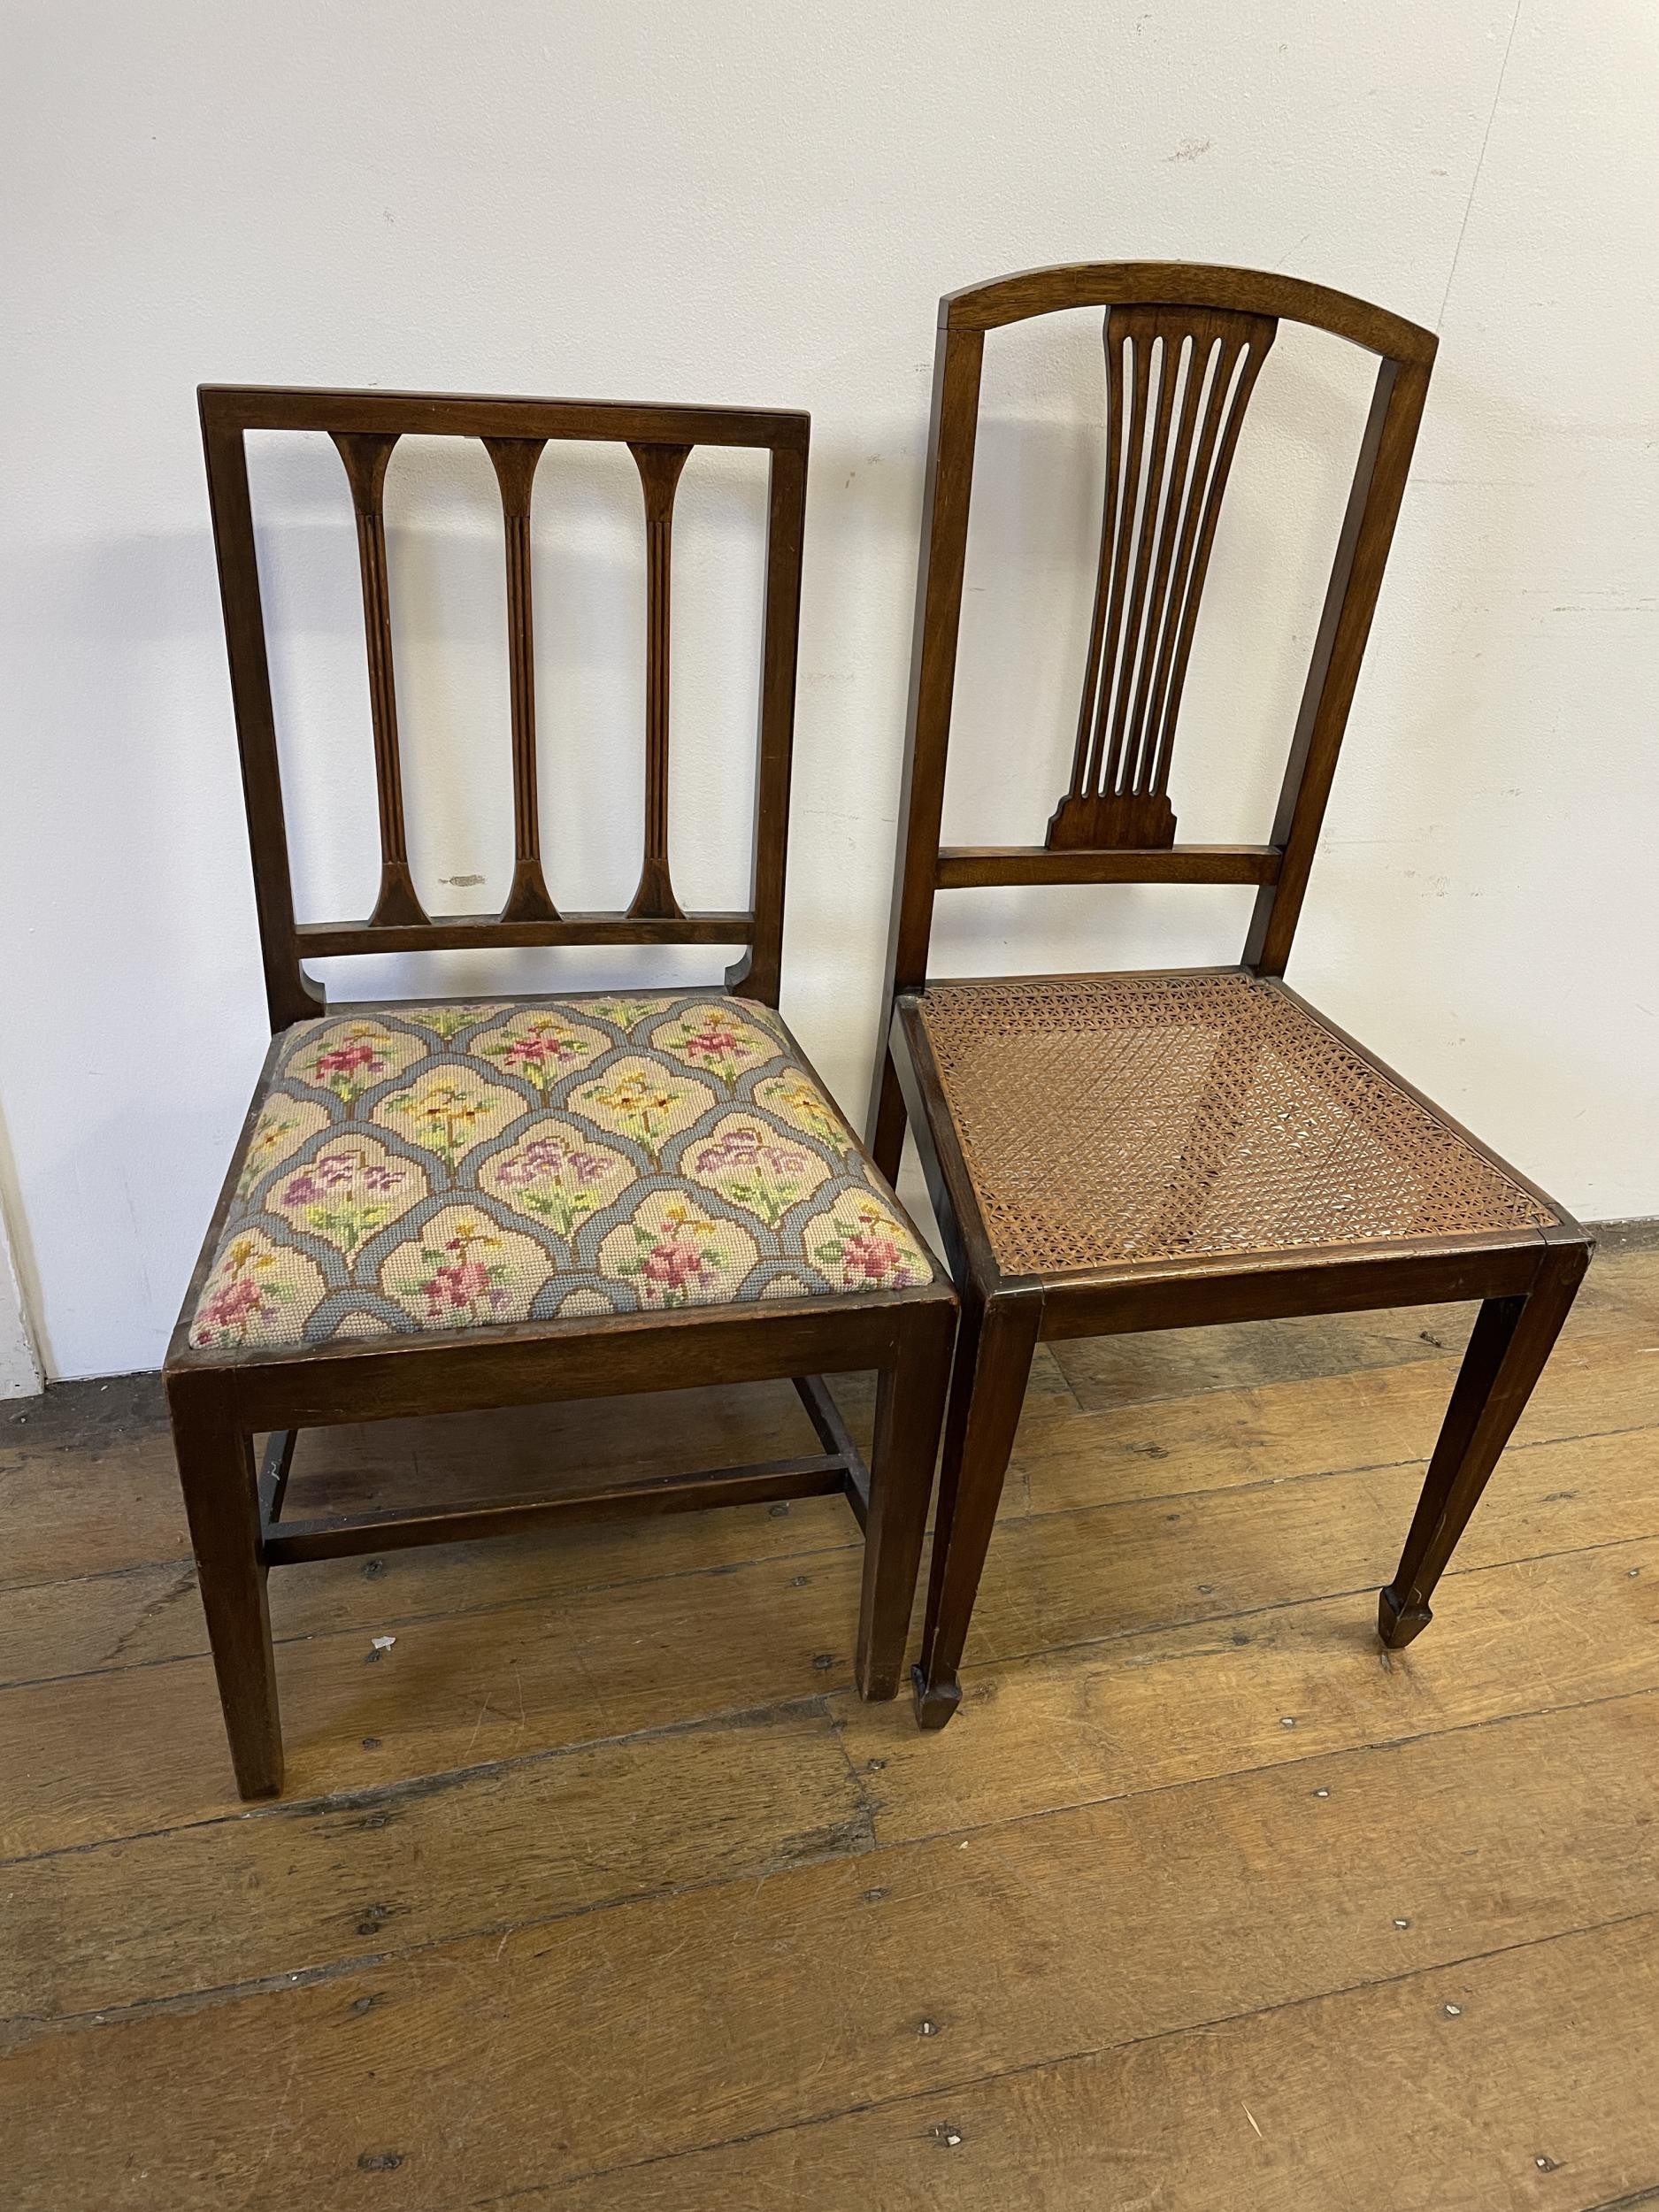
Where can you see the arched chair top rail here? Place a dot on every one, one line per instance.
(1015, 299)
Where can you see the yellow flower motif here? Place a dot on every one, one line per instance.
(445, 1113)
(803, 1105)
(634, 1095)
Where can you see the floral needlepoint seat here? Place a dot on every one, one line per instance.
(453, 1166)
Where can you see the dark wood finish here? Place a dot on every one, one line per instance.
(1512, 1339)
(366, 454)
(1184, 344)
(997, 1339)
(219, 1401)
(475, 932)
(1163, 494)
(909, 1398)
(1191, 284)
(515, 460)
(688, 1816)
(365, 426)
(1373, 506)
(817, 1402)
(290, 995)
(494, 415)
(757, 975)
(350, 1536)
(274, 1471)
(659, 467)
(969, 867)
(221, 1500)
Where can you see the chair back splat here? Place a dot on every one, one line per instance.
(365, 427)
(1185, 343)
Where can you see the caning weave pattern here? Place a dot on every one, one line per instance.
(1152, 1118)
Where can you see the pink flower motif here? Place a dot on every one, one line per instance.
(872, 1255)
(461, 1284)
(464, 1284)
(715, 1040)
(227, 1312)
(535, 1051)
(347, 1059)
(675, 1261)
(234, 1305)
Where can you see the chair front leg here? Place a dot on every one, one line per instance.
(1511, 1340)
(995, 1344)
(909, 1413)
(221, 1500)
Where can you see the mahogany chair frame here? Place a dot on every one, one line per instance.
(1115, 827)
(219, 1401)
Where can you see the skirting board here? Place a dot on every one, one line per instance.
(1640, 1234)
(19, 1369)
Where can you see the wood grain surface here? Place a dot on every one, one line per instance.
(599, 1888)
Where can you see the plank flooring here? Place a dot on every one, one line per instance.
(598, 1889)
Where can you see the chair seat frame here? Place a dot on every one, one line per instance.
(220, 1402)
(1525, 1278)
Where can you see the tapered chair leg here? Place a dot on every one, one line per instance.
(995, 1344)
(216, 1469)
(909, 1413)
(1511, 1340)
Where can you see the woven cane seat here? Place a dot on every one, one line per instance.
(1142, 1118)
(466, 1166)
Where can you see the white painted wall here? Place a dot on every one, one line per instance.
(733, 201)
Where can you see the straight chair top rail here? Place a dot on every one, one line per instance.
(479, 415)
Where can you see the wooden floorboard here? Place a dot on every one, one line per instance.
(598, 1888)
(1534, 2092)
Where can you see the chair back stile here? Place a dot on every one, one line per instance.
(365, 427)
(1184, 345)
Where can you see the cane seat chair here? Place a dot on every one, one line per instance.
(453, 1205)
(1111, 1153)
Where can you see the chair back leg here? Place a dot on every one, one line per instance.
(887, 1114)
(1511, 1340)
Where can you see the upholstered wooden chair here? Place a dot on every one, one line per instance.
(1149, 1151)
(495, 1201)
